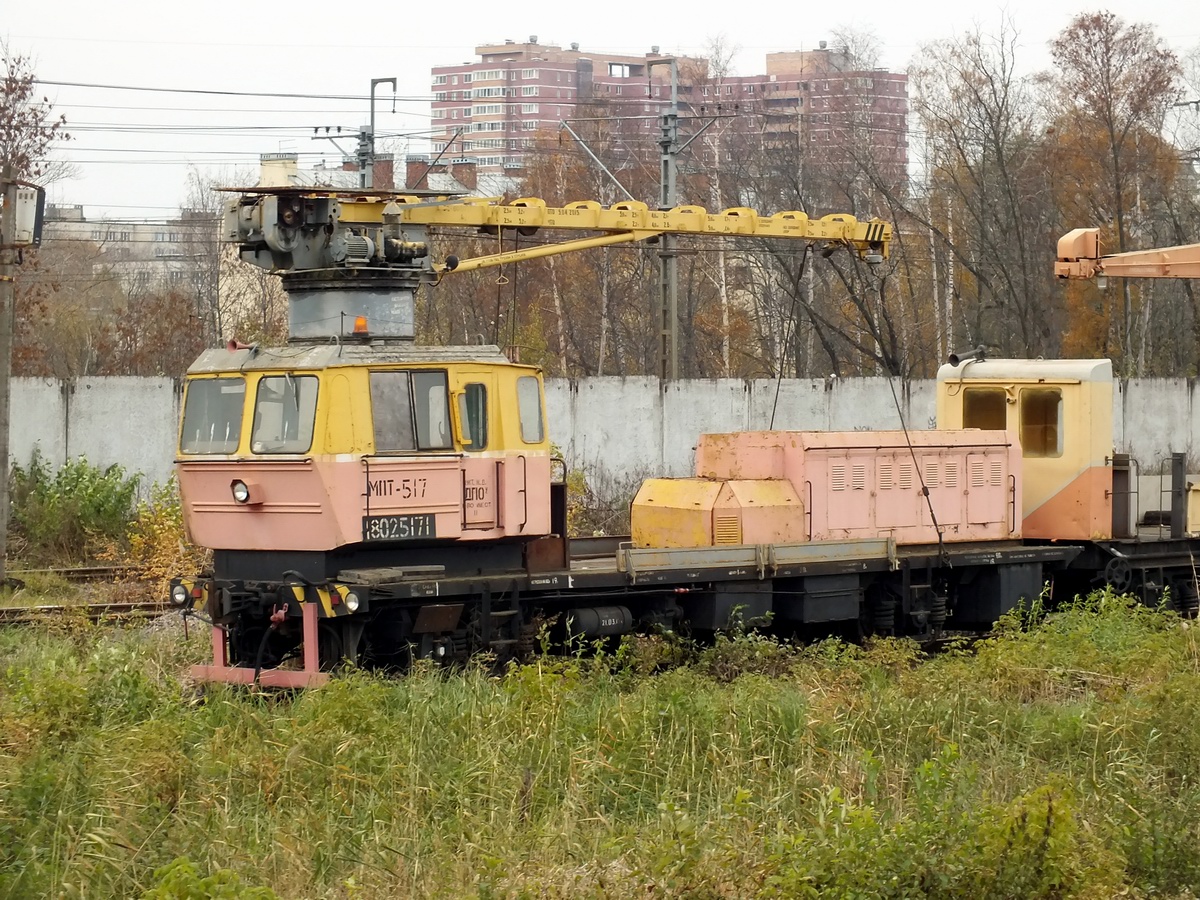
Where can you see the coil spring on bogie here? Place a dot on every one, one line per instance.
(883, 615)
(1185, 598)
(938, 611)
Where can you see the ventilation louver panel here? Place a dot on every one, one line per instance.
(727, 529)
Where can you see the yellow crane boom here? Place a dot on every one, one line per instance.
(284, 222)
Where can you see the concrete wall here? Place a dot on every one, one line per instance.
(619, 429)
(127, 421)
(627, 428)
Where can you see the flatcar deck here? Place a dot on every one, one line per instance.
(648, 569)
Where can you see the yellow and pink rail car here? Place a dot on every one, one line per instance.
(367, 499)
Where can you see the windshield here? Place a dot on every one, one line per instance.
(284, 412)
(212, 415)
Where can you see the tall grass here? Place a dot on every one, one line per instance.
(1060, 760)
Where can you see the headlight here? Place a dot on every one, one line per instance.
(241, 491)
(353, 602)
(180, 595)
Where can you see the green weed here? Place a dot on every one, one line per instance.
(69, 514)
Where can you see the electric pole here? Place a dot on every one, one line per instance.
(20, 226)
(668, 259)
(8, 227)
(367, 160)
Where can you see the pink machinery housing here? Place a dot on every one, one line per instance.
(787, 487)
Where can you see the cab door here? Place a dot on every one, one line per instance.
(472, 406)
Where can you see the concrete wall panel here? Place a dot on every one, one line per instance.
(866, 404)
(124, 420)
(792, 404)
(693, 408)
(37, 420)
(623, 428)
(1158, 417)
(616, 425)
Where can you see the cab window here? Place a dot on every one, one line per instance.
(529, 408)
(472, 416)
(411, 411)
(391, 411)
(284, 412)
(212, 415)
(431, 406)
(985, 408)
(1041, 422)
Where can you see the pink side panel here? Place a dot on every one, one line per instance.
(398, 485)
(868, 484)
(290, 509)
(319, 504)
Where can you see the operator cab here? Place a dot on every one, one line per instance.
(322, 447)
(1061, 412)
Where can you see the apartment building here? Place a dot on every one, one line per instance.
(487, 110)
(142, 255)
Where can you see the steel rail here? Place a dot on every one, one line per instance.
(95, 612)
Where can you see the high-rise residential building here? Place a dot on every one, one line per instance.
(487, 111)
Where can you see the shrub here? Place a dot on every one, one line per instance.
(70, 514)
(158, 546)
(598, 504)
(181, 880)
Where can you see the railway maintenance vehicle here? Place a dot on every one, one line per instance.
(370, 500)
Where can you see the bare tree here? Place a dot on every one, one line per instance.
(986, 197)
(228, 297)
(1114, 84)
(28, 125)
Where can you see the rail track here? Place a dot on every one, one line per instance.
(100, 611)
(94, 612)
(78, 574)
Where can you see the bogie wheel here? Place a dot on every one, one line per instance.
(338, 642)
(1118, 574)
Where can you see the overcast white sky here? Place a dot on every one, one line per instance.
(133, 149)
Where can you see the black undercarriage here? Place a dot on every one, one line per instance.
(449, 602)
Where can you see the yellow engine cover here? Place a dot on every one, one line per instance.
(703, 512)
(674, 512)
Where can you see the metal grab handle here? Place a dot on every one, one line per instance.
(500, 498)
(808, 512)
(366, 493)
(524, 492)
(1012, 493)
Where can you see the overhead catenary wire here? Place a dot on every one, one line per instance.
(209, 92)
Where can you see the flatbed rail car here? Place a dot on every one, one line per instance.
(815, 585)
